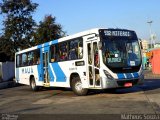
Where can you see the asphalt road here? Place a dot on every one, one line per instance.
(143, 99)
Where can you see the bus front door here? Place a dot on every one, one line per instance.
(93, 64)
(45, 69)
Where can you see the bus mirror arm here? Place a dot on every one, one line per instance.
(140, 42)
(141, 45)
(100, 45)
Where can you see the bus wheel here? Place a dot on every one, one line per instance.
(77, 87)
(33, 84)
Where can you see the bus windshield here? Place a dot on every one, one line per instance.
(121, 52)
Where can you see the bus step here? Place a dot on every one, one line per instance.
(46, 84)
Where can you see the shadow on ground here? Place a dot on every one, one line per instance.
(149, 85)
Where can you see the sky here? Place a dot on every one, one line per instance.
(79, 15)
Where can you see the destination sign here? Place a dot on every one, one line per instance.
(117, 33)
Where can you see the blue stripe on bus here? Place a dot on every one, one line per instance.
(136, 75)
(46, 44)
(51, 76)
(121, 76)
(39, 73)
(44, 47)
(60, 76)
(39, 46)
(128, 75)
(54, 41)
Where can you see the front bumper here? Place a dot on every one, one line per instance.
(116, 83)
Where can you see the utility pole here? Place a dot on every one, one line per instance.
(150, 22)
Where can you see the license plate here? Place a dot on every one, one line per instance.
(128, 85)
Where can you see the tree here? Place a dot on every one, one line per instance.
(3, 55)
(48, 30)
(18, 25)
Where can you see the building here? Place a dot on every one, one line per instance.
(157, 45)
(145, 44)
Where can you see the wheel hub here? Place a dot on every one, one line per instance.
(79, 86)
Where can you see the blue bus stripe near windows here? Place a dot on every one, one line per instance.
(121, 76)
(39, 46)
(54, 41)
(136, 75)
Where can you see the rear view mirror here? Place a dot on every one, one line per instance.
(140, 42)
(100, 45)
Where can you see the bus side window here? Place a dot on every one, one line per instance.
(18, 61)
(96, 55)
(89, 53)
(24, 59)
(36, 56)
(52, 51)
(55, 52)
(63, 51)
(80, 49)
(30, 58)
(72, 50)
(60, 52)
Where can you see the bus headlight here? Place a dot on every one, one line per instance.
(108, 75)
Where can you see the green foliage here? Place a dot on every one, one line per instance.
(3, 55)
(20, 30)
(48, 30)
(18, 25)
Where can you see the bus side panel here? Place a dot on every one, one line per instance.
(57, 75)
(60, 73)
(23, 74)
(38, 74)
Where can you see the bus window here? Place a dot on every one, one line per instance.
(90, 76)
(53, 53)
(96, 55)
(36, 57)
(80, 49)
(30, 58)
(57, 56)
(63, 51)
(24, 59)
(96, 63)
(89, 54)
(18, 60)
(72, 50)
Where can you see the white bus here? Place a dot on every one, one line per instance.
(93, 59)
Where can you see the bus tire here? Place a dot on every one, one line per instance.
(33, 84)
(77, 87)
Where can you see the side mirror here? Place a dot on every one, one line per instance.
(140, 43)
(100, 45)
(141, 46)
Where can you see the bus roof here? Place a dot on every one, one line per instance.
(80, 34)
